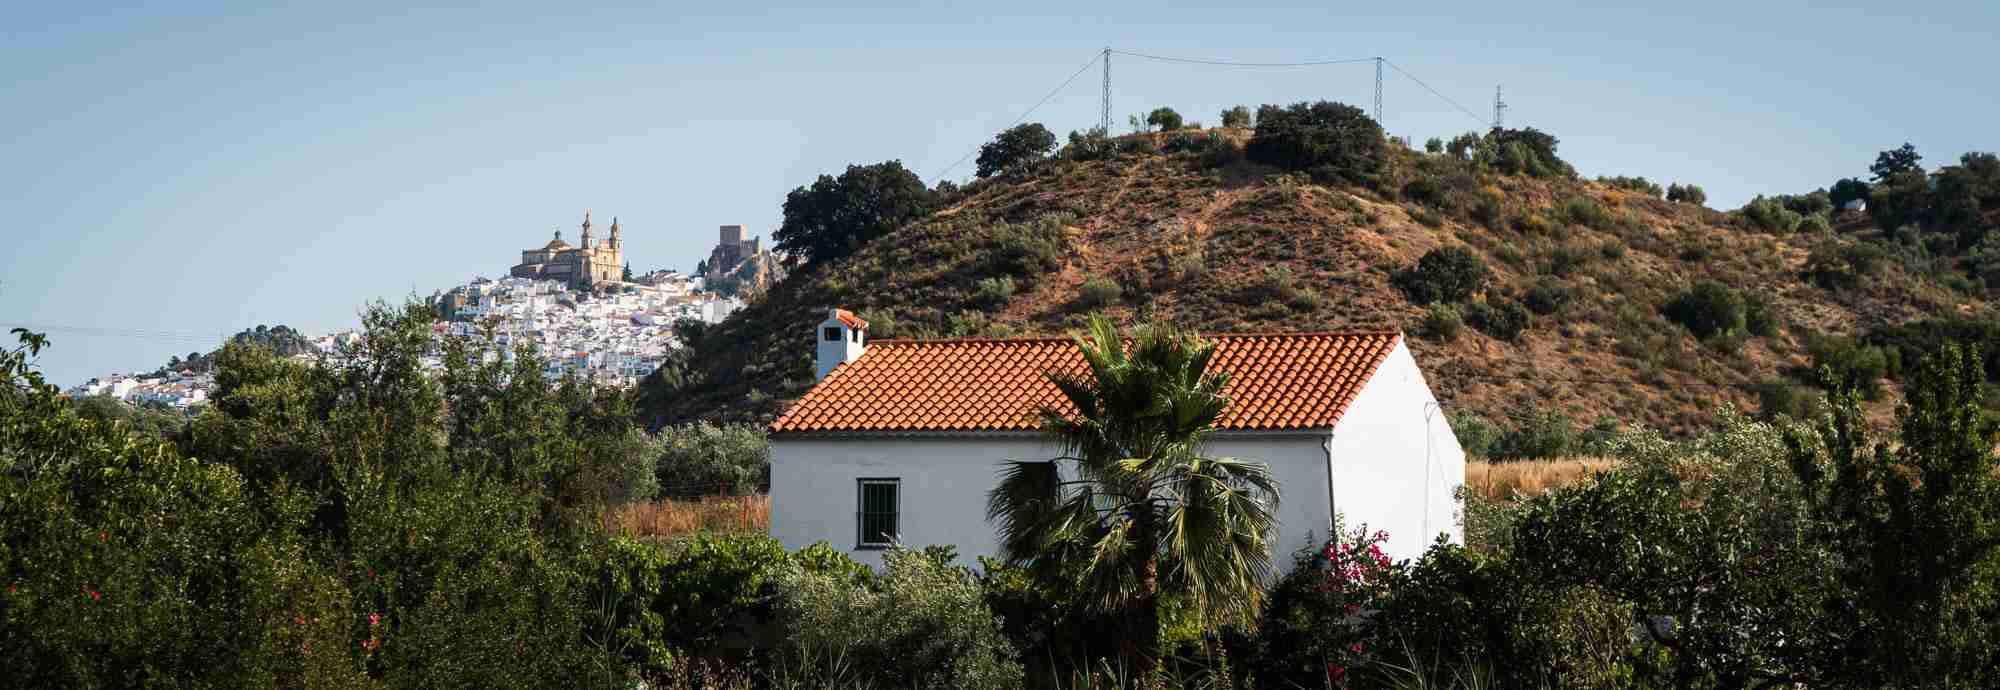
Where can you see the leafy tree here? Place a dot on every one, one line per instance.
(1140, 514)
(1019, 146)
(1846, 190)
(1707, 309)
(627, 275)
(1527, 151)
(704, 459)
(1688, 193)
(836, 215)
(1164, 118)
(1896, 161)
(1445, 274)
(1236, 117)
(1770, 216)
(1335, 143)
(1920, 523)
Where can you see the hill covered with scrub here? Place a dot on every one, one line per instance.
(1529, 292)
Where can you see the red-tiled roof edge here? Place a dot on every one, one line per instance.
(1386, 347)
(1204, 336)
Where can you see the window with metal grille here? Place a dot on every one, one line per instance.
(876, 520)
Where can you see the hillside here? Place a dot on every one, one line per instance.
(1202, 237)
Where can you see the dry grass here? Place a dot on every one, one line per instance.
(672, 517)
(1499, 481)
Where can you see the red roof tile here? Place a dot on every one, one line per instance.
(1283, 381)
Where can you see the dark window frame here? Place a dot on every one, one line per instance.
(892, 517)
(833, 334)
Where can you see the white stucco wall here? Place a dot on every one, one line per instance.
(1396, 462)
(943, 488)
(1298, 461)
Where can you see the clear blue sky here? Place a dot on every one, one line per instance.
(206, 169)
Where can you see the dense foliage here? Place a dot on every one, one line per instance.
(1019, 146)
(836, 215)
(1335, 143)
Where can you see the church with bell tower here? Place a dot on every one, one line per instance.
(584, 266)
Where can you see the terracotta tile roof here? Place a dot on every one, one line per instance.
(852, 321)
(1282, 381)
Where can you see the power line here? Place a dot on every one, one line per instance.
(1031, 109)
(1229, 63)
(1427, 87)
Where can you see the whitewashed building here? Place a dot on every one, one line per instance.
(901, 440)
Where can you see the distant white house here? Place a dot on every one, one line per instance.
(1855, 205)
(901, 440)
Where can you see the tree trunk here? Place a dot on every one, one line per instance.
(1143, 627)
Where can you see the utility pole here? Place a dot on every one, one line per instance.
(1106, 121)
(1378, 91)
(1499, 109)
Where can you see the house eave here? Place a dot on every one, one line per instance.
(945, 434)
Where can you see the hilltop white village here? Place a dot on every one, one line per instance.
(574, 305)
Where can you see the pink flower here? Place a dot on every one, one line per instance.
(374, 619)
(103, 536)
(93, 594)
(1356, 648)
(370, 644)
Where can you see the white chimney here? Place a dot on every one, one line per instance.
(842, 338)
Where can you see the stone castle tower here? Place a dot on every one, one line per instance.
(583, 266)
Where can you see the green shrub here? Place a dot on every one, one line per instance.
(1447, 274)
(1537, 434)
(924, 624)
(1770, 216)
(1814, 225)
(1442, 322)
(1633, 184)
(1585, 211)
(1025, 250)
(1567, 259)
(1498, 317)
(1837, 266)
(1707, 309)
(1097, 293)
(1760, 314)
(1849, 364)
(1332, 142)
(1687, 193)
(1312, 625)
(705, 459)
(994, 292)
(1089, 145)
(1528, 152)
(1236, 117)
(1164, 118)
(1014, 149)
(1547, 298)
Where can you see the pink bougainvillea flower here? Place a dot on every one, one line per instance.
(374, 619)
(1356, 648)
(370, 644)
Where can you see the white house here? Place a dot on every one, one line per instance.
(902, 439)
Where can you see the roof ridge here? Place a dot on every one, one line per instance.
(1065, 339)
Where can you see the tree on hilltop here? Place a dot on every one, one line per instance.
(1332, 142)
(1019, 146)
(1165, 118)
(1896, 161)
(836, 215)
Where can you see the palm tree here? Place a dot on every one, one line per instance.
(1140, 512)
